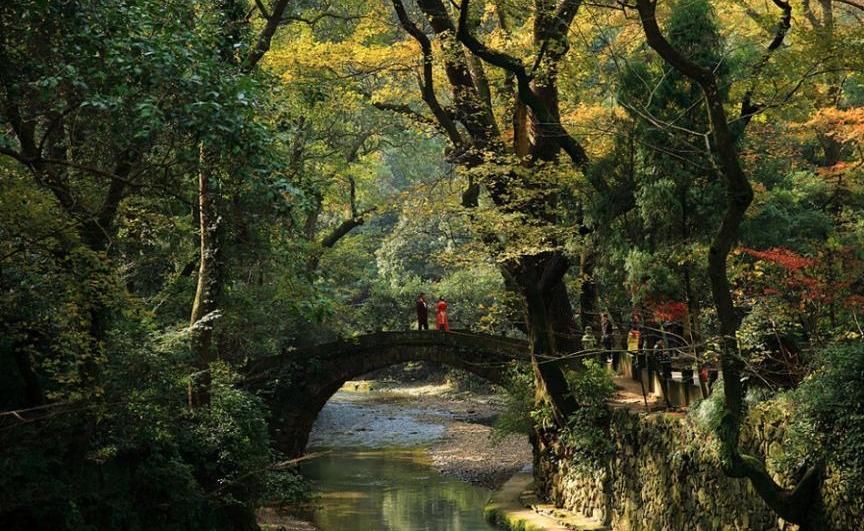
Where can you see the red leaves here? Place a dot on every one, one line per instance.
(823, 280)
(843, 125)
(855, 302)
(785, 258)
(669, 310)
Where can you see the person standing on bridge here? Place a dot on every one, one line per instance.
(422, 312)
(441, 315)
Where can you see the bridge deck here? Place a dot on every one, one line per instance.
(465, 341)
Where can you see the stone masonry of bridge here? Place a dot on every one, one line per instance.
(297, 383)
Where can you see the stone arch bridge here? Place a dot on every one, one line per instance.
(297, 383)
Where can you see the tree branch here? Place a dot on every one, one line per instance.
(471, 109)
(851, 3)
(262, 9)
(262, 44)
(342, 230)
(319, 17)
(427, 86)
(550, 125)
(402, 108)
(748, 108)
(808, 13)
(554, 30)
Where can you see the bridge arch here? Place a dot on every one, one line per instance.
(297, 383)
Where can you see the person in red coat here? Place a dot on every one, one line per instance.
(441, 315)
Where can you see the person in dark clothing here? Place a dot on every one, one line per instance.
(606, 339)
(422, 313)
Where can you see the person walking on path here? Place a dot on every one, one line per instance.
(422, 312)
(606, 339)
(441, 315)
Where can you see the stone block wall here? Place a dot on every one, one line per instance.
(665, 475)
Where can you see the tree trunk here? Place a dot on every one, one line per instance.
(563, 320)
(791, 504)
(209, 287)
(549, 315)
(549, 380)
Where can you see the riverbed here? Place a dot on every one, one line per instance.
(407, 458)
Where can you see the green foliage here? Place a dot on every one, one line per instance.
(764, 336)
(96, 272)
(585, 435)
(586, 432)
(692, 28)
(104, 108)
(829, 424)
(675, 188)
(149, 461)
(706, 414)
(286, 487)
(653, 276)
(789, 213)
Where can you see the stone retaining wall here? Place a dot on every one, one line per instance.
(665, 475)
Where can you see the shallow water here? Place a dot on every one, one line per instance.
(352, 419)
(391, 490)
(375, 476)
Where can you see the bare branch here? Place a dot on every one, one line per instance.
(319, 17)
(852, 3)
(345, 227)
(262, 9)
(402, 108)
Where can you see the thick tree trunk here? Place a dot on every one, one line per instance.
(549, 380)
(563, 320)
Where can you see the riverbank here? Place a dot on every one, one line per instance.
(515, 507)
(466, 449)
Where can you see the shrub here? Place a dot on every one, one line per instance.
(586, 434)
(829, 424)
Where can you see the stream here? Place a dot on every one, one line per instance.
(375, 475)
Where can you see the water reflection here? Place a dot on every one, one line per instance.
(395, 490)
